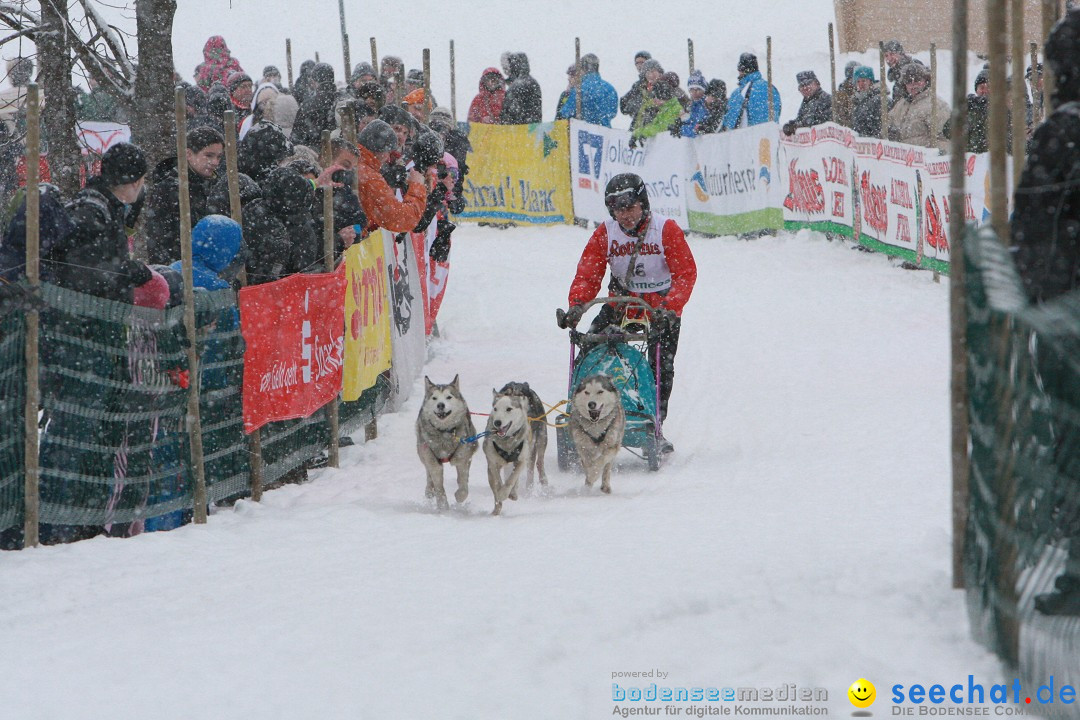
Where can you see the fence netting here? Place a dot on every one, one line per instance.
(1022, 550)
(114, 453)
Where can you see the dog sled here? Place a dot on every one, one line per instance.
(619, 351)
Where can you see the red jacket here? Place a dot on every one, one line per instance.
(680, 261)
(486, 107)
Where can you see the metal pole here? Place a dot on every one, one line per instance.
(453, 84)
(935, 128)
(832, 65)
(32, 480)
(1036, 96)
(884, 94)
(344, 41)
(374, 58)
(427, 84)
(194, 423)
(957, 309)
(232, 173)
(288, 61)
(1019, 91)
(1049, 17)
(690, 52)
(328, 250)
(768, 84)
(577, 78)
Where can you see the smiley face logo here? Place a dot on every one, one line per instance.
(862, 693)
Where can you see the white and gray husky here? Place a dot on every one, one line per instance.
(443, 423)
(597, 424)
(516, 439)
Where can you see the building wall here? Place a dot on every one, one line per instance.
(862, 24)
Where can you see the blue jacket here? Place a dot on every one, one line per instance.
(758, 108)
(698, 113)
(599, 101)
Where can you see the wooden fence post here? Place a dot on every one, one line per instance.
(288, 61)
(32, 479)
(453, 84)
(832, 67)
(884, 94)
(768, 84)
(328, 250)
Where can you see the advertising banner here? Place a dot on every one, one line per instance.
(732, 185)
(293, 330)
(598, 153)
(815, 179)
(367, 316)
(518, 174)
(408, 338)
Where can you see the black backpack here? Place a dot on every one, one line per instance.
(54, 222)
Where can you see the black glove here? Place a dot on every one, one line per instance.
(675, 129)
(789, 128)
(136, 272)
(663, 317)
(572, 317)
(633, 142)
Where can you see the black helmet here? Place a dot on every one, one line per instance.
(1061, 50)
(624, 190)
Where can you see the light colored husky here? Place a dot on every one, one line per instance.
(597, 424)
(443, 423)
(511, 442)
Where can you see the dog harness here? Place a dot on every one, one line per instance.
(509, 457)
(600, 438)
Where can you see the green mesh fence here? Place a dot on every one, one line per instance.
(1022, 547)
(114, 452)
(12, 399)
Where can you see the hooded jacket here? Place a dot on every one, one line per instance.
(162, 216)
(487, 106)
(317, 113)
(599, 101)
(217, 63)
(753, 93)
(523, 104)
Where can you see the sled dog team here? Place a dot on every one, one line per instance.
(515, 438)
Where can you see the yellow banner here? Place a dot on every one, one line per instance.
(519, 173)
(367, 316)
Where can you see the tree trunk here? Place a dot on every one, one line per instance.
(153, 127)
(54, 53)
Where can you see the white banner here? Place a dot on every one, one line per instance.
(599, 153)
(97, 137)
(732, 184)
(408, 340)
(816, 175)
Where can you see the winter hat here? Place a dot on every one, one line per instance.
(892, 46)
(849, 69)
(215, 240)
(235, 79)
(378, 137)
(644, 54)
(663, 90)
(123, 163)
(288, 191)
(748, 63)
(913, 71)
(363, 68)
(696, 80)
(395, 115)
(450, 161)
(415, 77)
(442, 112)
(650, 65)
(863, 71)
(428, 149)
(416, 97)
(271, 71)
(154, 293)
(982, 78)
(806, 77)
(672, 79)
(716, 88)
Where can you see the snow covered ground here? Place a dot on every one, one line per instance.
(799, 534)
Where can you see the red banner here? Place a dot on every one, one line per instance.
(295, 334)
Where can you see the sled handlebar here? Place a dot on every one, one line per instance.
(560, 314)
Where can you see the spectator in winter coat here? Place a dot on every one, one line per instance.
(486, 107)
(347, 211)
(652, 73)
(978, 118)
(1045, 236)
(749, 104)
(318, 112)
(816, 106)
(673, 80)
(456, 144)
(272, 75)
(262, 150)
(415, 81)
(382, 208)
(95, 257)
(390, 69)
(909, 119)
(161, 227)
(523, 104)
(844, 97)
(303, 89)
(363, 73)
(630, 103)
(240, 90)
(664, 113)
(218, 103)
(573, 77)
(217, 64)
(896, 59)
(715, 106)
(280, 228)
(699, 111)
(866, 113)
(599, 101)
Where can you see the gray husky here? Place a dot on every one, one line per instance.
(517, 439)
(443, 423)
(597, 424)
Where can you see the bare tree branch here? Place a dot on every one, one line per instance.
(28, 32)
(109, 35)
